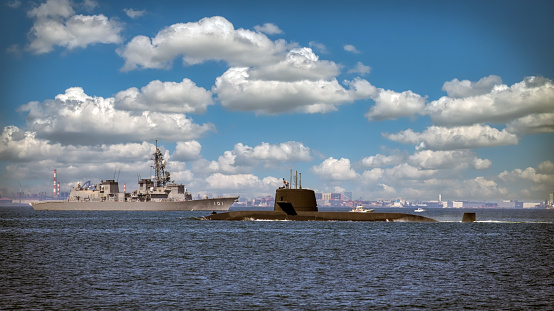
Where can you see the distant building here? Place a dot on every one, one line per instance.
(347, 196)
(510, 204)
(471, 204)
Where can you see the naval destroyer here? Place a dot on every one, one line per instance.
(158, 194)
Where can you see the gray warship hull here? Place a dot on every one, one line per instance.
(215, 204)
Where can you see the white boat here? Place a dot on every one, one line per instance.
(419, 210)
(361, 209)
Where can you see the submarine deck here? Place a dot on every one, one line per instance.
(318, 216)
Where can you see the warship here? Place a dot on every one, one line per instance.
(158, 194)
(300, 204)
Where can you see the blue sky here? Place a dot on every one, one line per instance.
(387, 99)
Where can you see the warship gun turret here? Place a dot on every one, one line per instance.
(157, 194)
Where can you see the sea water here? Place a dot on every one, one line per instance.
(169, 260)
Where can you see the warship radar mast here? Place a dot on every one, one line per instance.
(161, 177)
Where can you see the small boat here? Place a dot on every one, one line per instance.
(419, 210)
(361, 209)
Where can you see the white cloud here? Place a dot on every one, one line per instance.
(173, 97)
(90, 4)
(77, 118)
(531, 174)
(463, 137)
(212, 38)
(320, 47)
(299, 64)
(466, 88)
(546, 167)
(380, 160)
(360, 69)
(335, 169)
(243, 158)
(451, 159)
(236, 90)
(351, 48)
(241, 182)
(532, 124)
(268, 28)
(392, 105)
(132, 13)
(534, 95)
(33, 159)
(187, 151)
(55, 24)
(271, 154)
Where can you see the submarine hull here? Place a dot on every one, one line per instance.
(318, 216)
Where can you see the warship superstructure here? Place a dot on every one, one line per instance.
(158, 194)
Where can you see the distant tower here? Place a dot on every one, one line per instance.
(124, 191)
(58, 193)
(55, 184)
(440, 197)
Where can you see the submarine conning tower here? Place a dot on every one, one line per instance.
(302, 200)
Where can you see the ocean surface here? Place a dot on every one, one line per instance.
(58, 260)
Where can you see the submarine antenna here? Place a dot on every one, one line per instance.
(290, 179)
(300, 180)
(296, 180)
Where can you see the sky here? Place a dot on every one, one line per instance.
(385, 99)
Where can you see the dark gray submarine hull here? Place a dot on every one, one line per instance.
(318, 216)
(301, 205)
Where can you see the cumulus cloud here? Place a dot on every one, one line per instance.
(360, 69)
(320, 47)
(187, 151)
(531, 174)
(532, 124)
(351, 48)
(132, 13)
(398, 175)
(270, 154)
(33, 158)
(463, 137)
(489, 101)
(241, 182)
(269, 29)
(393, 105)
(466, 88)
(380, 160)
(335, 169)
(243, 157)
(77, 118)
(171, 97)
(56, 24)
(236, 90)
(451, 159)
(212, 38)
(299, 64)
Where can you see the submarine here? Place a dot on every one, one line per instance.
(298, 204)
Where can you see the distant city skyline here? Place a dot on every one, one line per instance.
(386, 99)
